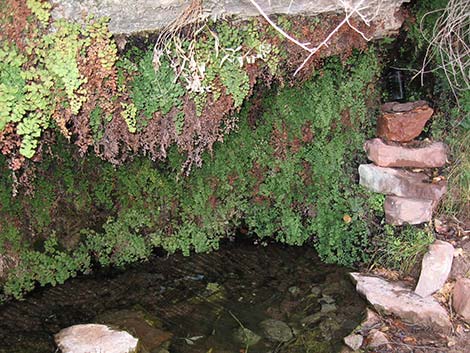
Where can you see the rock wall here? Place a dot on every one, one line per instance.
(132, 16)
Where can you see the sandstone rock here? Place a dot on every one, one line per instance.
(435, 268)
(403, 122)
(461, 298)
(400, 182)
(276, 330)
(376, 339)
(401, 210)
(132, 16)
(383, 155)
(393, 298)
(353, 341)
(94, 338)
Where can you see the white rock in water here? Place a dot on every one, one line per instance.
(94, 338)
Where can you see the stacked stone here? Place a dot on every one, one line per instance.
(411, 196)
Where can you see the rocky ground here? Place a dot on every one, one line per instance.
(394, 333)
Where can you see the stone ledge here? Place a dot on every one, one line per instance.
(133, 16)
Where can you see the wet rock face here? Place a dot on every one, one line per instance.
(461, 298)
(402, 122)
(435, 268)
(132, 16)
(393, 298)
(94, 338)
(384, 155)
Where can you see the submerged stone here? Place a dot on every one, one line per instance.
(246, 336)
(276, 330)
(312, 319)
(143, 327)
(328, 308)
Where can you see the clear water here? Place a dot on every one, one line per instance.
(203, 301)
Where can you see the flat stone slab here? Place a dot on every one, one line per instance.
(435, 268)
(401, 210)
(384, 155)
(461, 298)
(400, 182)
(394, 298)
(90, 338)
(402, 122)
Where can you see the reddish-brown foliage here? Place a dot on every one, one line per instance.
(14, 24)
(101, 88)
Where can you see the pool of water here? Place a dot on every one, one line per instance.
(242, 298)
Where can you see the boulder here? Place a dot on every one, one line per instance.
(402, 122)
(133, 16)
(276, 330)
(401, 210)
(353, 341)
(435, 268)
(384, 155)
(94, 338)
(461, 298)
(396, 299)
(399, 182)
